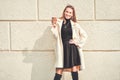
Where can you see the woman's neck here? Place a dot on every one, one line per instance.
(67, 20)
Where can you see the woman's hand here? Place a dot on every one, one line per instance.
(54, 21)
(72, 41)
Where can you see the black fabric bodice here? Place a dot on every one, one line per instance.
(66, 31)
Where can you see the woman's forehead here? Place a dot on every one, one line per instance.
(69, 9)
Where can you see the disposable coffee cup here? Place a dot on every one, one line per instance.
(54, 20)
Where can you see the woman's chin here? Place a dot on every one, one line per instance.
(67, 18)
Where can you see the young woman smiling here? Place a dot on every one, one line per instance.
(70, 38)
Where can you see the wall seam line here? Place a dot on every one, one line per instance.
(10, 46)
(53, 50)
(94, 10)
(50, 20)
(38, 10)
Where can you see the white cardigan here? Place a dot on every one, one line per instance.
(79, 36)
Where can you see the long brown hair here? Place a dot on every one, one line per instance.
(74, 14)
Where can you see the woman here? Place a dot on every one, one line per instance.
(70, 39)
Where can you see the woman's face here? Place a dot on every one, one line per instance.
(68, 13)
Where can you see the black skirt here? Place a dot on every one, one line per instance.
(71, 55)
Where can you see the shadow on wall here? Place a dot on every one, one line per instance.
(42, 62)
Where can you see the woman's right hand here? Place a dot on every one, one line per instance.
(54, 21)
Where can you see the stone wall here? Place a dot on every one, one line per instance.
(27, 44)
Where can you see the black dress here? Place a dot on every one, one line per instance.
(71, 53)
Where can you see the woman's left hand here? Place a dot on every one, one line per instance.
(72, 41)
